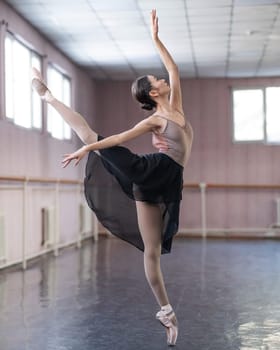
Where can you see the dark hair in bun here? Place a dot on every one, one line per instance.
(140, 91)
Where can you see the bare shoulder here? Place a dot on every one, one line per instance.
(148, 124)
(155, 120)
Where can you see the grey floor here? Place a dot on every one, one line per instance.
(226, 295)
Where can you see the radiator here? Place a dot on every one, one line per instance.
(86, 217)
(48, 226)
(2, 239)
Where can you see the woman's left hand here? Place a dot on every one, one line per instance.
(76, 155)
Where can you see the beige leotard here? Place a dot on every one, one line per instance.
(175, 141)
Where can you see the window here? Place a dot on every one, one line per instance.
(256, 115)
(273, 114)
(60, 86)
(23, 105)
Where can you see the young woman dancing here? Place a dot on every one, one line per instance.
(137, 197)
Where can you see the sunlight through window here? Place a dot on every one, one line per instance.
(22, 106)
(273, 114)
(256, 115)
(61, 88)
(248, 115)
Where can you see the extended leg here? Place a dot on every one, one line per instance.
(75, 120)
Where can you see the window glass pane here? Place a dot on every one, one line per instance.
(67, 101)
(23, 106)
(273, 114)
(60, 87)
(9, 78)
(55, 122)
(36, 100)
(67, 131)
(22, 90)
(35, 61)
(248, 112)
(55, 83)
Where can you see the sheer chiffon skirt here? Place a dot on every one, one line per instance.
(116, 178)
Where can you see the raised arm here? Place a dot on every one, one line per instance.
(170, 65)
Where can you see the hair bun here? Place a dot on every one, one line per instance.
(147, 106)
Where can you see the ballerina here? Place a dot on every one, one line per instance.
(145, 190)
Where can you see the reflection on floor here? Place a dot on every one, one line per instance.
(225, 293)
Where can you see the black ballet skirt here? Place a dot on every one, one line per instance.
(116, 178)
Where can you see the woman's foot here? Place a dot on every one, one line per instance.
(168, 319)
(40, 87)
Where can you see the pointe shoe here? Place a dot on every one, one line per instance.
(40, 87)
(36, 74)
(169, 321)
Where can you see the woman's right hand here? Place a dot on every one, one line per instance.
(78, 155)
(154, 24)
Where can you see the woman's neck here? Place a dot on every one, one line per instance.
(163, 106)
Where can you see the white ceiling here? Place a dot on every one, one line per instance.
(207, 38)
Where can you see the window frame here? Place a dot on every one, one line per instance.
(264, 141)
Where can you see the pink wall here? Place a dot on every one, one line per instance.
(215, 158)
(36, 154)
(31, 153)
(109, 108)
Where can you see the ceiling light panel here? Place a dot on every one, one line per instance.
(207, 3)
(122, 34)
(146, 65)
(112, 5)
(239, 70)
(213, 34)
(141, 44)
(268, 71)
(244, 44)
(66, 6)
(250, 25)
(205, 61)
(160, 4)
(106, 60)
(209, 42)
(117, 18)
(209, 12)
(139, 55)
(207, 72)
(273, 49)
(156, 70)
(255, 11)
(77, 18)
(64, 2)
(254, 2)
(209, 21)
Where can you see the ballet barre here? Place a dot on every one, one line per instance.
(27, 185)
(205, 190)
